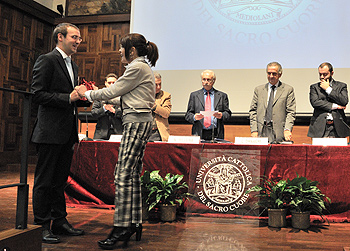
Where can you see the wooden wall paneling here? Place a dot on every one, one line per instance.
(109, 63)
(19, 66)
(23, 37)
(2, 80)
(101, 44)
(231, 131)
(21, 28)
(6, 22)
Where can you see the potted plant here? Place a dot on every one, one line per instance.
(146, 183)
(306, 198)
(165, 192)
(275, 197)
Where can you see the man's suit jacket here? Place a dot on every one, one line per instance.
(322, 104)
(162, 113)
(283, 113)
(105, 120)
(196, 104)
(52, 86)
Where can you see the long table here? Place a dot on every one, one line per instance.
(91, 182)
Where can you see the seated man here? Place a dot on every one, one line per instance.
(329, 99)
(161, 111)
(208, 99)
(108, 114)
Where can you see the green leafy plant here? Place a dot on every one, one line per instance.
(272, 194)
(306, 196)
(158, 190)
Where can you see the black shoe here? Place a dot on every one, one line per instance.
(49, 237)
(66, 229)
(117, 234)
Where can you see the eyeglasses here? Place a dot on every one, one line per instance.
(76, 38)
(207, 79)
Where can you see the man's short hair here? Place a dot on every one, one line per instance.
(111, 75)
(157, 75)
(330, 67)
(275, 64)
(209, 71)
(62, 28)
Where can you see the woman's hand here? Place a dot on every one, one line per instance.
(81, 89)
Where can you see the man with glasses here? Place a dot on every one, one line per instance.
(329, 99)
(208, 109)
(55, 131)
(273, 107)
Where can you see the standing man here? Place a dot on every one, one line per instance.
(329, 99)
(108, 114)
(161, 112)
(209, 100)
(272, 110)
(55, 131)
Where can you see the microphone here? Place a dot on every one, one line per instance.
(87, 127)
(273, 132)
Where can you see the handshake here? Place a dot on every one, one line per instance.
(79, 91)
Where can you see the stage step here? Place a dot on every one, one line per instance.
(29, 239)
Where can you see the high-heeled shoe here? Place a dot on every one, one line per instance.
(137, 228)
(117, 234)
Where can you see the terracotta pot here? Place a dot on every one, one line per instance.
(277, 217)
(167, 212)
(300, 220)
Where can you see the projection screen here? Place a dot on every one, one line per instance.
(238, 38)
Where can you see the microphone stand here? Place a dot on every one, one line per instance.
(87, 127)
(212, 134)
(269, 128)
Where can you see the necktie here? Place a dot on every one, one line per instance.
(268, 114)
(207, 119)
(70, 69)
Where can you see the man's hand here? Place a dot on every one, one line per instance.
(198, 116)
(324, 84)
(74, 96)
(81, 89)
(341, 107)
(218, 115)
(109, 108)
(287, 135)
(254, 134)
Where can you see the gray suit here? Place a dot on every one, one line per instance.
(283, 113)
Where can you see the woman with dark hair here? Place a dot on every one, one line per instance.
(137, 91)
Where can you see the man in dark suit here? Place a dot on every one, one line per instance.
(108, 114)
(205, 101)
(329, 99)
(55, 131)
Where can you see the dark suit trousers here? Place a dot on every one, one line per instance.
(51, 173)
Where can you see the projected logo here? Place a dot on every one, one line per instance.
(254, 11)
(221, 185)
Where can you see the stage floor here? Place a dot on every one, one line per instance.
(188, 233)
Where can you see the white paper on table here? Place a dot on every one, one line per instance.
(208, 113)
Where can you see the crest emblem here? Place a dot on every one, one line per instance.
(254, 12)
(224, 183)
